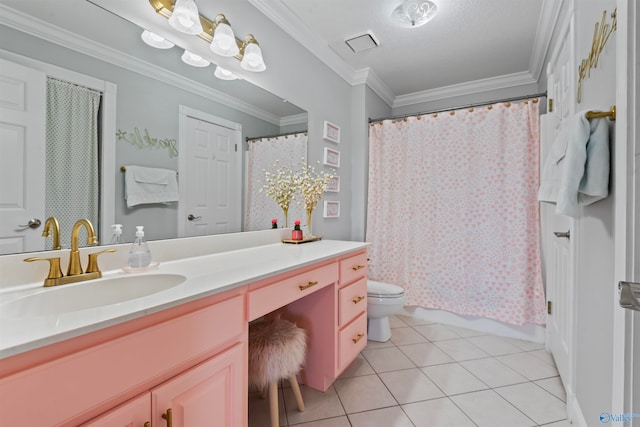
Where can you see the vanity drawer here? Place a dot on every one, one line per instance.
(353, 268)
(353, 301)
(271, 297)
(352, 340)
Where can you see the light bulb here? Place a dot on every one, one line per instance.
(224, 41)
(252, 58)
(185, 17)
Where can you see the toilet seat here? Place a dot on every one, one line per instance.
(383, 290)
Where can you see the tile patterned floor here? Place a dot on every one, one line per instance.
(432, 375)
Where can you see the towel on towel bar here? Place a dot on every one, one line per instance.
(149, 185)
(576, 172)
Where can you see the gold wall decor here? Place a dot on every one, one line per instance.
(601, 34)
(145, 140)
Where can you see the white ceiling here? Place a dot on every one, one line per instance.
(470, 45)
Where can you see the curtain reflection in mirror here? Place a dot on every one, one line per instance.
(72, 155)
(263, 153)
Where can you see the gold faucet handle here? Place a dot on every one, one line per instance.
(54, 266)
(92, 266)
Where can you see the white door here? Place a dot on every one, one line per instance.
(557, 230)
(212, 189)
(22, 158)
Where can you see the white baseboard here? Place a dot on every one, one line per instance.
(529, 332)
(574, 412)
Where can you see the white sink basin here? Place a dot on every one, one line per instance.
(89, 294)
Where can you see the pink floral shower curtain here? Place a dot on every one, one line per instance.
(453, 213)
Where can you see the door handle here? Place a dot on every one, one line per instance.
(561, 234)
(629, 295)
(194, 218)
(33, 223)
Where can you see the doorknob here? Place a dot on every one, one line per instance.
(191, 217)
(629, 295)
(33, 223)
(561, 234)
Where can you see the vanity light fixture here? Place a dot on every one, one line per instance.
(224, 40)
(224, 74)
(154, 40)
(252, 55)
(185, 17)
(194, 60)
(217, 32)
(414, 13)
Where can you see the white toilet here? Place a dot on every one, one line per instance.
(383, 299)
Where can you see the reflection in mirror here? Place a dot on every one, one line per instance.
(144, 101)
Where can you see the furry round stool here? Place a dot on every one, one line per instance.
(276, 351)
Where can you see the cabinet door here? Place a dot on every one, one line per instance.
(212, 393)
(134, 413)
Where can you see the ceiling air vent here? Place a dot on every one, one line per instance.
(362, 42)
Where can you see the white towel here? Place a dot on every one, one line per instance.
(576, 173)
(149, 185)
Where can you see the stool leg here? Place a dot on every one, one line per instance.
(273, 404)
(296, 392)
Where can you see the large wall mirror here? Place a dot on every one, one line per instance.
(153, 111)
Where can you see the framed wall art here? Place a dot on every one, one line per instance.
(331, 209)
(333, 186)
(331, 132)
(331, 157)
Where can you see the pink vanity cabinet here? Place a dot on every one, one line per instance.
(188, 363)
(190, 360)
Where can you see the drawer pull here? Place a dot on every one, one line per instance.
(308, 285)
(357, 299)
(357, 338)
(147, 424)
(169, 417)
(358, 267)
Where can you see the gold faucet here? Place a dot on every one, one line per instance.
(74, 257)
(74, 272)
(51, 224)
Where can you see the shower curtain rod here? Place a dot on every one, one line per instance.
(275, 136)
(480, 104)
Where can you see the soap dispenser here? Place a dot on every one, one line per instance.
(139, 255)
(116, 239)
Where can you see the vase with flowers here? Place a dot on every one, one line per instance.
(311, 184)
(281, 185)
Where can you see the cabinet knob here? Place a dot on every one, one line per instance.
(357, 338)
(147, 424)
(358, 299)
(169, 417)
(358, 267)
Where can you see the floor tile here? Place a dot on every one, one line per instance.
(436, 332)
(545, 356)
(396, 322)
(376, 344)
(453, 379)
(327, 422)
(563, 423)
(425, 354)
(437, 412)
(494, 346)
(554, 386)
(488, 408)
(407, 316)
(386, 417)
(528, 366)
(358, 367)
(317, 405)
(461, 349)
(363, 393)
(536, 403)
(410, 385)
(493, 373)
(406, 335)
(464, 332)
(387, 359)
(525, 345)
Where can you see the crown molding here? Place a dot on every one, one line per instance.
(547, 23)
(294, 120)
(51, 33)
(477, 86)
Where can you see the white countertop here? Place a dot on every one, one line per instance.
(206, 275)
